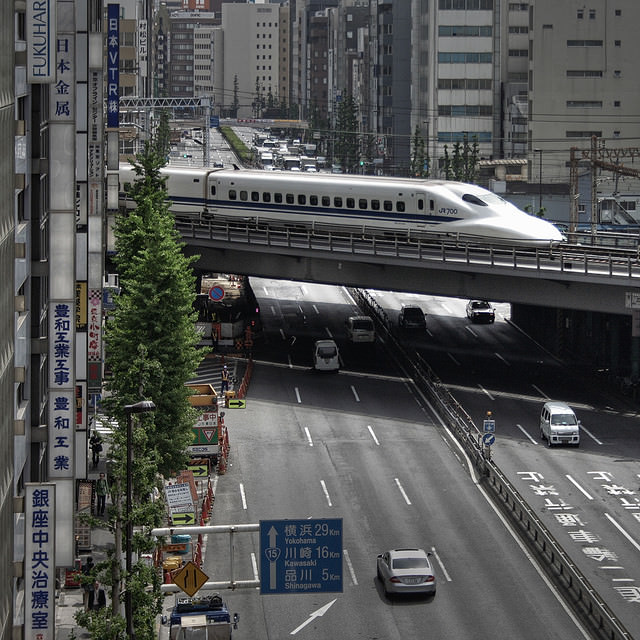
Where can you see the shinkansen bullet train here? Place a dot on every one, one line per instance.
(371, 204)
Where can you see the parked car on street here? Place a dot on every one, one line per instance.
(406, 571)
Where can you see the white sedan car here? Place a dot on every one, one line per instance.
(406, 571)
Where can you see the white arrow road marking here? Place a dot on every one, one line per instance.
(316, 614)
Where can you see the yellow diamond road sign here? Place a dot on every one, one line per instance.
(190, 578)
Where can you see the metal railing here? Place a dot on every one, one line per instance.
(583, 597)
(616, 264)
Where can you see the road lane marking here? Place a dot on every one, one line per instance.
(243, 496)
(254, 565)
(290, 361)
(306, 430)
(402, 491)
(485, 391)
(273, 310)
(540, 391)
(471, 331)
(347, 559)
(355, 393)
(590, 435)
(442, 567)
(455, 361)
(622, 531)
(575, 484)
(326, 493)
(298, 395)
(497, 355)
(525, 433)
(282, 333)
(328, 332)
(373, 435)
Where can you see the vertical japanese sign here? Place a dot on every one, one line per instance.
(39, 560)
(143, 47)
(94, 339)
(113, 65)
(40, 32)
(62, 91)
(62, 398)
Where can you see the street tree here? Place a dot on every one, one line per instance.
(151, 353)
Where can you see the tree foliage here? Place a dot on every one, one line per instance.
(151, 353)
(463, 164)
(420, 165)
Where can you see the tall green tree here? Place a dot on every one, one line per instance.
(151, 352)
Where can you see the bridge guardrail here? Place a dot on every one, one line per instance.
(598, 261)
(583, 597)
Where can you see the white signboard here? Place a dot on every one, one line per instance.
(39, 562)
(178, 495)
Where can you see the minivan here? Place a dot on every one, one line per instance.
(558, 424)
(360, 329)
(411, 317)
(326, 356)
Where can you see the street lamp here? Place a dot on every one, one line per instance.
(143, 406)
(539, 182)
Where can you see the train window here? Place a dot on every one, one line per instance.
(362, 203)
(375, 205)
(277, 197)
(432, 204)
(326, 201)
(289, 198)
(313, 200)
(420, 204)
(213, 189)
(400, 205)
(266, 196)
(337, 201)
(232, 194)
(469, 197)
(351, 203)
(388, 205)
(244, 196)
(255, 196)
(302, 199)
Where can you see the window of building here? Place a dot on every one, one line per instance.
(584, 43)
(584, 104)
(583, 134)
(592, 14)
(616, 103)
(586, 73)
(580, 14)
(618, 12)
(617, 43)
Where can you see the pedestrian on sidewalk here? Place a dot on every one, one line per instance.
(95, 442)
(86, 570)
(97, 598)
(102, 489)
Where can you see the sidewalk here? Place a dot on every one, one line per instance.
(70, 600)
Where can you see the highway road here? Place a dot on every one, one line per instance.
(363, 446)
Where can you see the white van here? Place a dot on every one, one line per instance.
(558, 424)
(326, 356)
(360, 329)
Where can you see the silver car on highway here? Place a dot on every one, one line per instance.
(406, 571)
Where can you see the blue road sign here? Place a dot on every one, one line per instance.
(488, 439)
(300, 556)
(489, 426)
